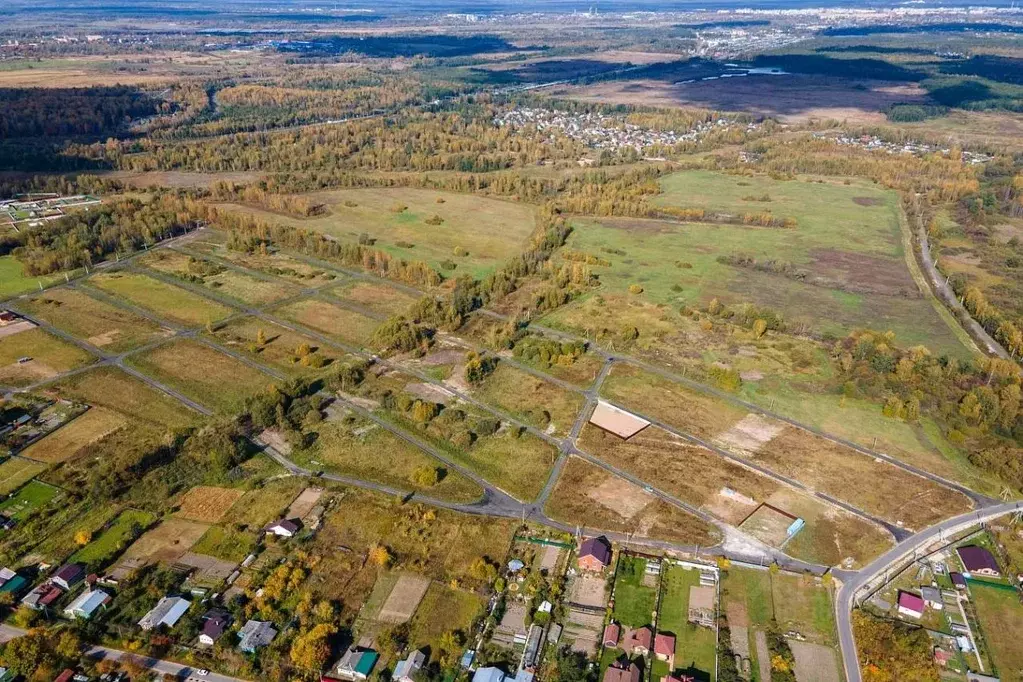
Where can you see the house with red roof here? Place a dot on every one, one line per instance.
(595, 554)
(638, 642)
(911, 605)
(611, 634)
(622, 671)
(664, 648)
(678, 677)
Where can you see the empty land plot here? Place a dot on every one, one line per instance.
(635, 601)
(114, 537)
(404, 598)
(803, 604)
(207, 504)
(167, 542)
(768, 524)
(378, 297)
(258, 507)
(16, 471)
(831, 536)
(535, 401)
(815, 662)
(219, 278)
(30, 497)
(695, 646)
(118, 391)
(210, 570)
(208, 376)
(850, 251)
(276, 264)
(36, 355)
(691, 473)
(333, 320)
(293, 353)
(444, 609)
(519, 465)
(72, 438)
(165, 300)
(588, 590)
(876, 487)
(358, 450)
(487, 231)
(1001, 621)
(105, 326)
(304, 503)
(685, 409)
(589, 496)
(224, 543)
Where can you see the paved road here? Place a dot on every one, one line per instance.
(858, 582)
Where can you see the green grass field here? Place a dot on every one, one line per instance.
(47, 356)
(487, 231)
(14, 281)
(167, 301)
(803, 605)
(1001, 621)
(442, 610)
(634, 601)
(30, 497)
(847, 245)
(206, 375)
(355, 450)
(104, 326)
(114, 537)
(695, 646)
(225, 543)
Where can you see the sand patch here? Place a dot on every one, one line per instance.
(404, 598)
(750, 434)
(16, 328)
(623, 498)
(104, 339)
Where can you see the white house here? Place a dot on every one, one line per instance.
(405, 670)
(285, 528)
(87, 604)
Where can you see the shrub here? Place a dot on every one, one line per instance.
(635, 289)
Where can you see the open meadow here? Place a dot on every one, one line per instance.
(272, 344)
(72, 438)
(36, 355)
(238, 286)
(118, 391)
(343, 324)
(842, 267)
(475, 234)
(165, 300)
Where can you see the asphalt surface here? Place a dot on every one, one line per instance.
(856, 583)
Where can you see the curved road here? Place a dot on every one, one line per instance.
(854, 583)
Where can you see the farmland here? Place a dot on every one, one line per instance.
(114, 537)
(166, 300)
(474, 234)
(207, 504)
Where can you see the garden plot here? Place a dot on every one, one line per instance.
(512, 625)
(769, 524)
(74, 437)
(167, 542)
(208, 570)
(404, 599)
(304, 503)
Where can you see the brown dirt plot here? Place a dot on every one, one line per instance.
(207, 504)
(404, 598)
(167, 542)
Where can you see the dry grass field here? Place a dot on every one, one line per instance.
(167, 542)
(207, 504)
(107, 327)
(591, 497)
(333, 320)
(260, 506)
(36, 355)
(204, 374)
(535, 401)
(16, 471)
(280, 348)
(377, 297)
(226, 282)
(69, 440)
(113, 389)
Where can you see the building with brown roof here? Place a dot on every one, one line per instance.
(622, 671)
(638, 642)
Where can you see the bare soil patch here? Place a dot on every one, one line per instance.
(588, 590)
(768, 524)
(861, 273)
(207, 504)
(429, 392)
(209, 570)
(814, 662)
(404, 598)
(625, 500)
(167, 542)
(304, 503)
(17, 327)
(749, 434)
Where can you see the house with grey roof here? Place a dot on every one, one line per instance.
(168, 611)
(256, 634)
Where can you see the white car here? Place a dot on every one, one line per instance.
(202, 672)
